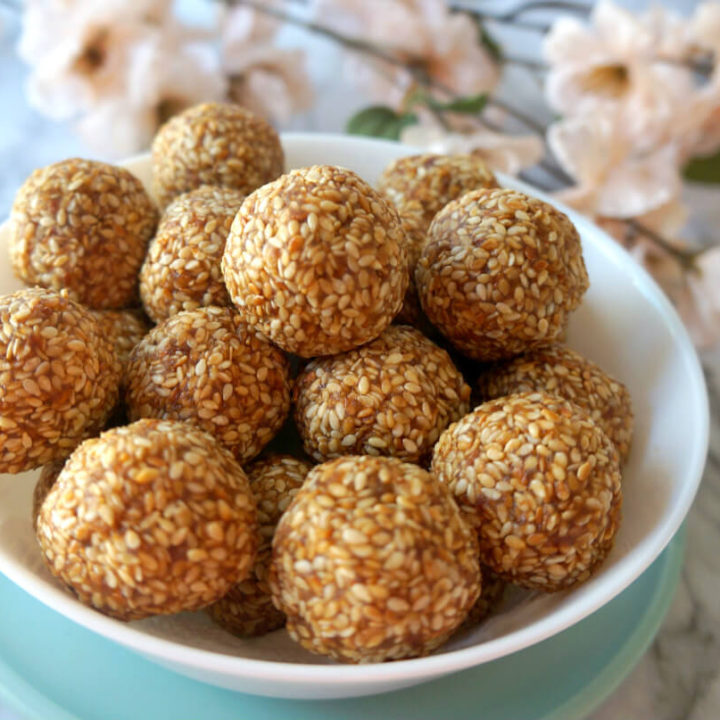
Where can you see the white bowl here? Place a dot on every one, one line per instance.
(625, 324)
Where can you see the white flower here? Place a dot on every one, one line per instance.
(267, 80)
(614, 178)
(505, 153)
(622, 62)
(441, 45)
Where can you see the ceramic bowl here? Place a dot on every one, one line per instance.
(625, 324)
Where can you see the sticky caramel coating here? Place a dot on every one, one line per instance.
(430, 182)
(415, 234)
(46, 479)
(493, 592)
(149, 519)
(207, 367)
(540, 482)
(125, 328)
(83, 226)
(372, 561)
(317, 261)
(247, 610)
(59, 377)
(182, 267)
(214, 144)
(563, 372)
(393, 396)
(500, 273)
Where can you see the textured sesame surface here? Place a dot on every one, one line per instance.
(247, 610)
(493, 593)
(59, 378)
(182, 267)
(207, 367)
(424, 184)
(84, 226)
(372, 561)
(415, 235)
(46, 479)
(540, 481)
(500, 272)
(317, 261)
(393, 396)
(214, 144)
(563, 372)
(148, 519)
(125, 328)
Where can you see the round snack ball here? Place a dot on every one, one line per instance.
(46, 479)
(493, 592)
(500, 273)
(207, 367)
(557, 370)
(540, 481)
(148, 519)
(247, 610)
(59, 377)
(182, 267)
(393, 396)
(415, 233)
(424, 184)
(83, 226)
(317, 261)
(214, 144)
(125, 328)
(372, 561)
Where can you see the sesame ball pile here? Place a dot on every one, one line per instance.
(560, 371)
(500, 272)
(82, 226)
(206, 366)
(372, 561)
(182, 266)
(59, 377)
(149, 519)
(214, 144)
(540, 482)
(423, 184)
(247, 610)
(317, 261)
(393, 396)
(423, 511)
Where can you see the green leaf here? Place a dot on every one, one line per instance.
(471, 105)
(380, 121)
(704, 169)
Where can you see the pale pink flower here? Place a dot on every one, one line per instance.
(79, 51)
(614, 177)
(504, 153)
(441, 45)
(165, 74)
(625, 63)
(264, 78)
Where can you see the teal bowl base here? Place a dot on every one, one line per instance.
(52, 669)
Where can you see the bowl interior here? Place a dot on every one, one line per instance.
(625, 324)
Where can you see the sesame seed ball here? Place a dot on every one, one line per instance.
(540, 482)
(214, 144)
(59, 377)
(372, 561)
(500, 273)
(317, 261)
(46, 479)
(415, 234)
(125, 328)
(182, 267)
(563, 372)
(206, 366)
(148, 519)
(247, 610)
(393, 396)
(493, 593)
(429, 182)
(83, 226)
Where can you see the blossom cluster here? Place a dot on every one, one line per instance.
(119, 69)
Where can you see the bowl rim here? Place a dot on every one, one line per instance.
(627, 570)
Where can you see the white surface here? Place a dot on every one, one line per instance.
(625, 324)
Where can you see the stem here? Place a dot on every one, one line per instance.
(686, 258)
